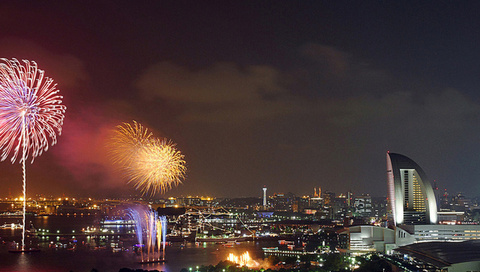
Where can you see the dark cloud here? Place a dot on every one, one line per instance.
(223, 92)
(64, 68)
(301, 95)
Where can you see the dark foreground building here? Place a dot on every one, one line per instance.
(444, 256)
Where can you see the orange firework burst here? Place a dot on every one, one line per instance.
(127, 141)
(151, 164)
(158, 166)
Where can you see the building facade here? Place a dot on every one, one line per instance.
(363, 206)
(411, 197)
(358, 240)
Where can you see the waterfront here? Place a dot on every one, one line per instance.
(190, 255)
(80, 253)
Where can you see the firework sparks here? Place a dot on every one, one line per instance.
(127, 141)
(151, 164)
(31, 112)
(158, 167)
(242, 260)
(155, 228)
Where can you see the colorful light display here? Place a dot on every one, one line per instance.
(151, 231)
(152, 165)
(242, 260)
(31, 113)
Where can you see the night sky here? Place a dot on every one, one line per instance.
(288, 94)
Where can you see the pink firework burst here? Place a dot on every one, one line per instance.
(31, 110)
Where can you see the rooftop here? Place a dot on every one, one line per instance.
(442, 254)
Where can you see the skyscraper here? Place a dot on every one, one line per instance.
(410, 194)
(265, 197)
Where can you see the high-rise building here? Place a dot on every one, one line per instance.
(265, 197)
(363, 206)
(410, 194)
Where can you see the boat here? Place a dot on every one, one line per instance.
(117, 222)
(229, 244)
(11, 226)
(16, 214)
(224, 239)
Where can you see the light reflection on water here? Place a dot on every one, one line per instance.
(23, 263)
(83, 255)
(105, 260)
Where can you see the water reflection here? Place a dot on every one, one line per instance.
(81, 252)
(23, 263)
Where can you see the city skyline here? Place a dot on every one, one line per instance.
(289, 94)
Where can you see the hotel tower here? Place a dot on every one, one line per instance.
(411, 200)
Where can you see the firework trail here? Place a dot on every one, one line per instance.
(152, 165)
(31, 113)
(163, 223)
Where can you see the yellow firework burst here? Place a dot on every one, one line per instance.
(127, 141)
(157, 167)
(152, 165)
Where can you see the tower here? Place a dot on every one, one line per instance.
(265, 197)
(410, 195)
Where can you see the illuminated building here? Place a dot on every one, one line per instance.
(411, 196)
(357, 240)
(265, 197)
(444, 233)
(363, 206)
(319, 194)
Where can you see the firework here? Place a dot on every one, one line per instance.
(243, 260)
(158, 167)
(31, 113)
(152, 165)
(127, 141)
(30, 110)
(155, 229)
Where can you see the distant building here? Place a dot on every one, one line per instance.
(451, 218)
(446, 233)
(328, 197)
(445, 202)
(379, 207)
(284, 202)
(363, 206)
(461, 203)
(411, 197)
(317, 194)
(264, 197)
